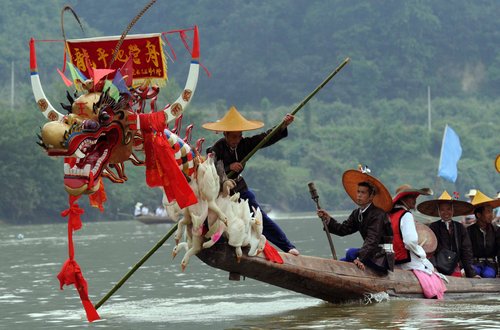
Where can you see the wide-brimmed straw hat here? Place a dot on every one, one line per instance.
(351, 179)
(406, 189)
(497, 163)
(430, 207)
(471, 193)
(233, 121)
(482, 200)
(426, 237)
(138, 204)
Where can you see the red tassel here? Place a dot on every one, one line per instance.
(272, 254)
(162, 169)
(71, 272)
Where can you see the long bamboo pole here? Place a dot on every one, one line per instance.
(174, 228)
(297, 108)
(136, 267)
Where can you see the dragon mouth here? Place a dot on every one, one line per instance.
(83, 169)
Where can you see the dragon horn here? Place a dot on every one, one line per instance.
(174, 110)
(47, 109)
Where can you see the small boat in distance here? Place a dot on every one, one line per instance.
(151, 219)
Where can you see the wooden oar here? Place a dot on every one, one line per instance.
(136, 267)
(297, 108)
(315, 197)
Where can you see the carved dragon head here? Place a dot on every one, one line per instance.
(101, 132)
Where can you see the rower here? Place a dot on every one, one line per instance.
(233, 148)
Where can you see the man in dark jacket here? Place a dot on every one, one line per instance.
(485, 237)
(232, 148)
(370, 219)
(451, 235)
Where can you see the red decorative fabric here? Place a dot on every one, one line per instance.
(272, 254)
(98, 198)
(161, 167)
(71, 272)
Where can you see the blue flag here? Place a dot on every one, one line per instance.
(451, 151)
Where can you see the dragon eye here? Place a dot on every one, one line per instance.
(104, 117)
(90, 124)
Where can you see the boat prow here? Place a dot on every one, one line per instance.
(332, 280)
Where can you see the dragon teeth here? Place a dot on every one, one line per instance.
(79, 154)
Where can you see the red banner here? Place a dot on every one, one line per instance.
(146, 52)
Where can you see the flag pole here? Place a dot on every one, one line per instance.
(442, 148)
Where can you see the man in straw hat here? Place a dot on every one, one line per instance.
(451, 235)
(407, 252)
(233, 147)
(370, 219)
(484, 236)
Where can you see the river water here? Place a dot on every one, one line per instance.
(160, 296)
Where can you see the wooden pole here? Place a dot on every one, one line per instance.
(297, 108)
(136, 267)
(315, 197)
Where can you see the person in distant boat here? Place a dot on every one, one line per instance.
(469, 219)
(408, 253)
(451, 235)
(232, 148)
(160, 211)
(370, 219)
(138, 209)
(484, 236)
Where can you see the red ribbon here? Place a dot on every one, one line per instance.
(272, 254)
(162, 169)
(71, 272)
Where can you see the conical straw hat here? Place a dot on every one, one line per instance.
(233, 121)
(430, 207)
(350, 180)
(481, 199)
(426, 237)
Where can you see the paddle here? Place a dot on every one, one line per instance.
(315, 198)
(297, 108)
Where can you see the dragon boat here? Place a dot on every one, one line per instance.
(334, 281)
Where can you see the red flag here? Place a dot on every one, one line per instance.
(65, 79)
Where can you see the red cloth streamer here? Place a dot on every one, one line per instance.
(98, 198)
(272, 254)
(161, 167)
(71, 272)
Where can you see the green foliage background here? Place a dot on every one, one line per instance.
(265, 57)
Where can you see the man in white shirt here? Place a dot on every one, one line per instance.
(409, 254)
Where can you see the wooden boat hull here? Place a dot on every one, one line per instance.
(334, 281)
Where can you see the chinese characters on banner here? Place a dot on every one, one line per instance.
(146, 52)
